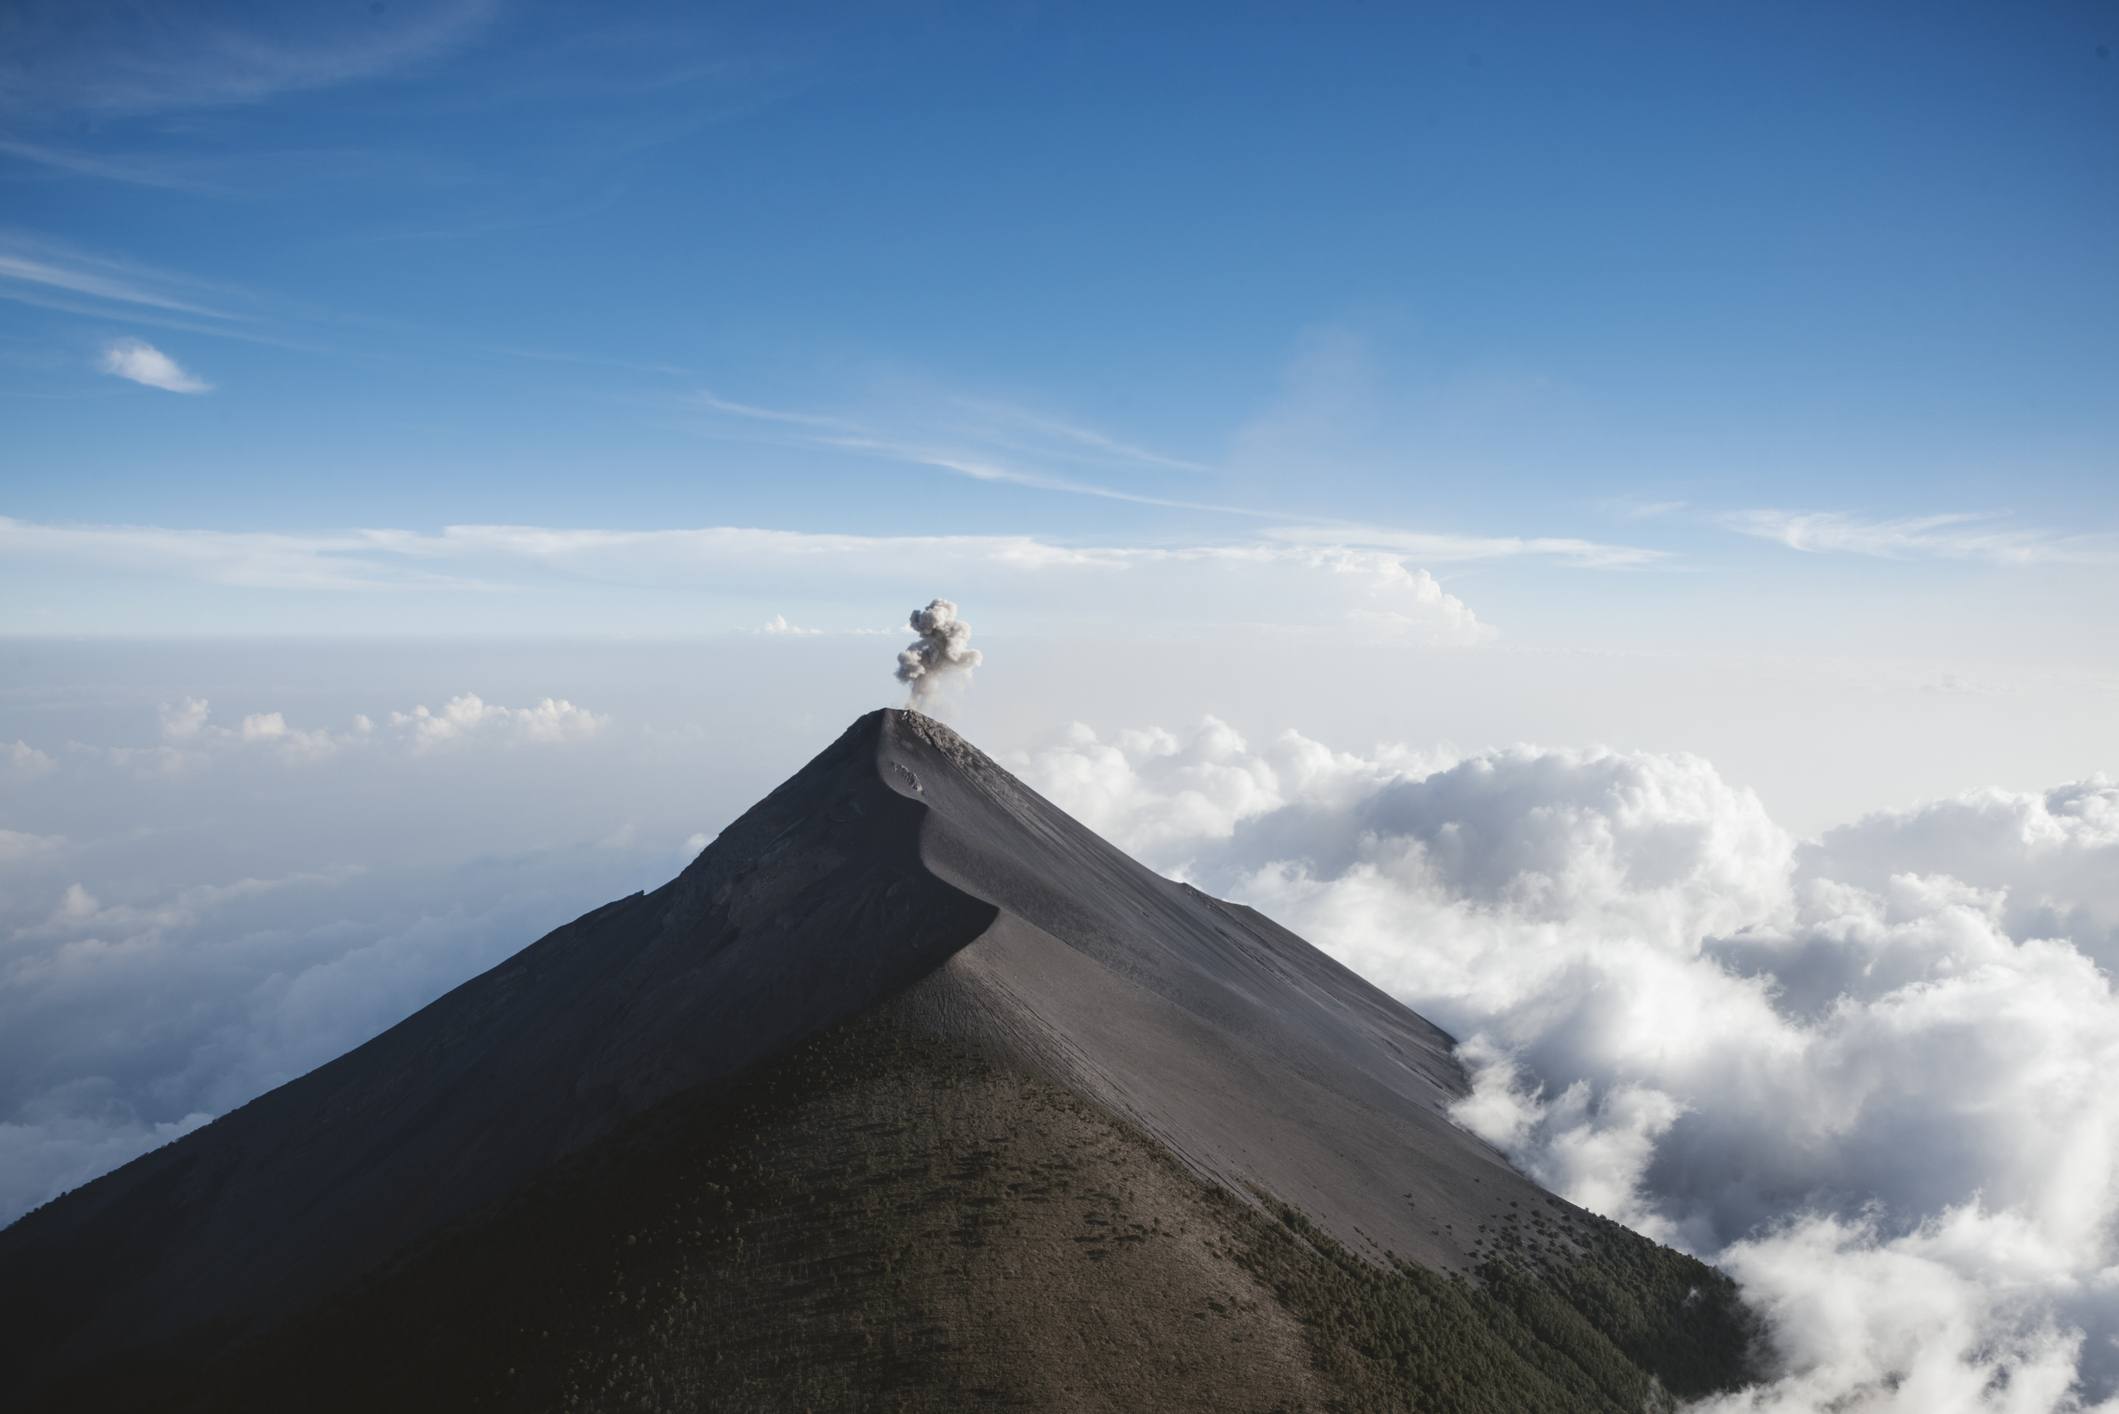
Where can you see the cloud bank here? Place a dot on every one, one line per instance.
(190, 738)
(1869, 1074)
(757, 573)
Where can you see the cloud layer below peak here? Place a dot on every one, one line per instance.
(1868, 1074)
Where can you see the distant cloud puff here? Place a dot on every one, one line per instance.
(192, 742)
(183, 723)
(467, 715)
(15, 845)
(142, 362)
(22, 762)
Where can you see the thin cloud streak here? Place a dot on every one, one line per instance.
(988, 471)
(846, 435)
(86, 63)
(51, 275)
(998, 416)
(806, 419)
(1457, 548)
(240, 559)
(139, 173)
(23, 262)
(491, 558)
(850, 435)
(1372, 593)
(1951, 536)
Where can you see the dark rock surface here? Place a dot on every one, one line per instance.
(901, 870)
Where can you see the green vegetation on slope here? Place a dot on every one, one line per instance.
(1618, 1323)
(883, 1220)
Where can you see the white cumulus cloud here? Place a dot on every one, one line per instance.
(465, 717)
(142, 362)
(181, 721)
(468, 716)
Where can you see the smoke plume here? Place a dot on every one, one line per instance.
(943, 647)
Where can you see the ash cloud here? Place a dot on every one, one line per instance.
(942, 650)
(1868, 1075)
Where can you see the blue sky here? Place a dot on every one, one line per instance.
(1529, 271)
(1781, 334)
(1774, 341)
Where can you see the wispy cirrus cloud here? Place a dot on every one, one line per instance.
(39, 270)
(985, 441)
(1953, 536)
(1437, 547)
(1095, 442)
(798, 419)
(343, 560)
(68, 57)
(993, 442)
(32, 270)
(927, 418)
(77, 77)
(68, 157)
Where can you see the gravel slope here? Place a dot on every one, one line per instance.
(901, 873)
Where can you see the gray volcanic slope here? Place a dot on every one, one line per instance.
(902, 863)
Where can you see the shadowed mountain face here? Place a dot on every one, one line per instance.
(913, 1086)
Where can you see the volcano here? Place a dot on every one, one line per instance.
(910, 1092)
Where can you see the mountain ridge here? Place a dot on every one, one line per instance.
(900, 873)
